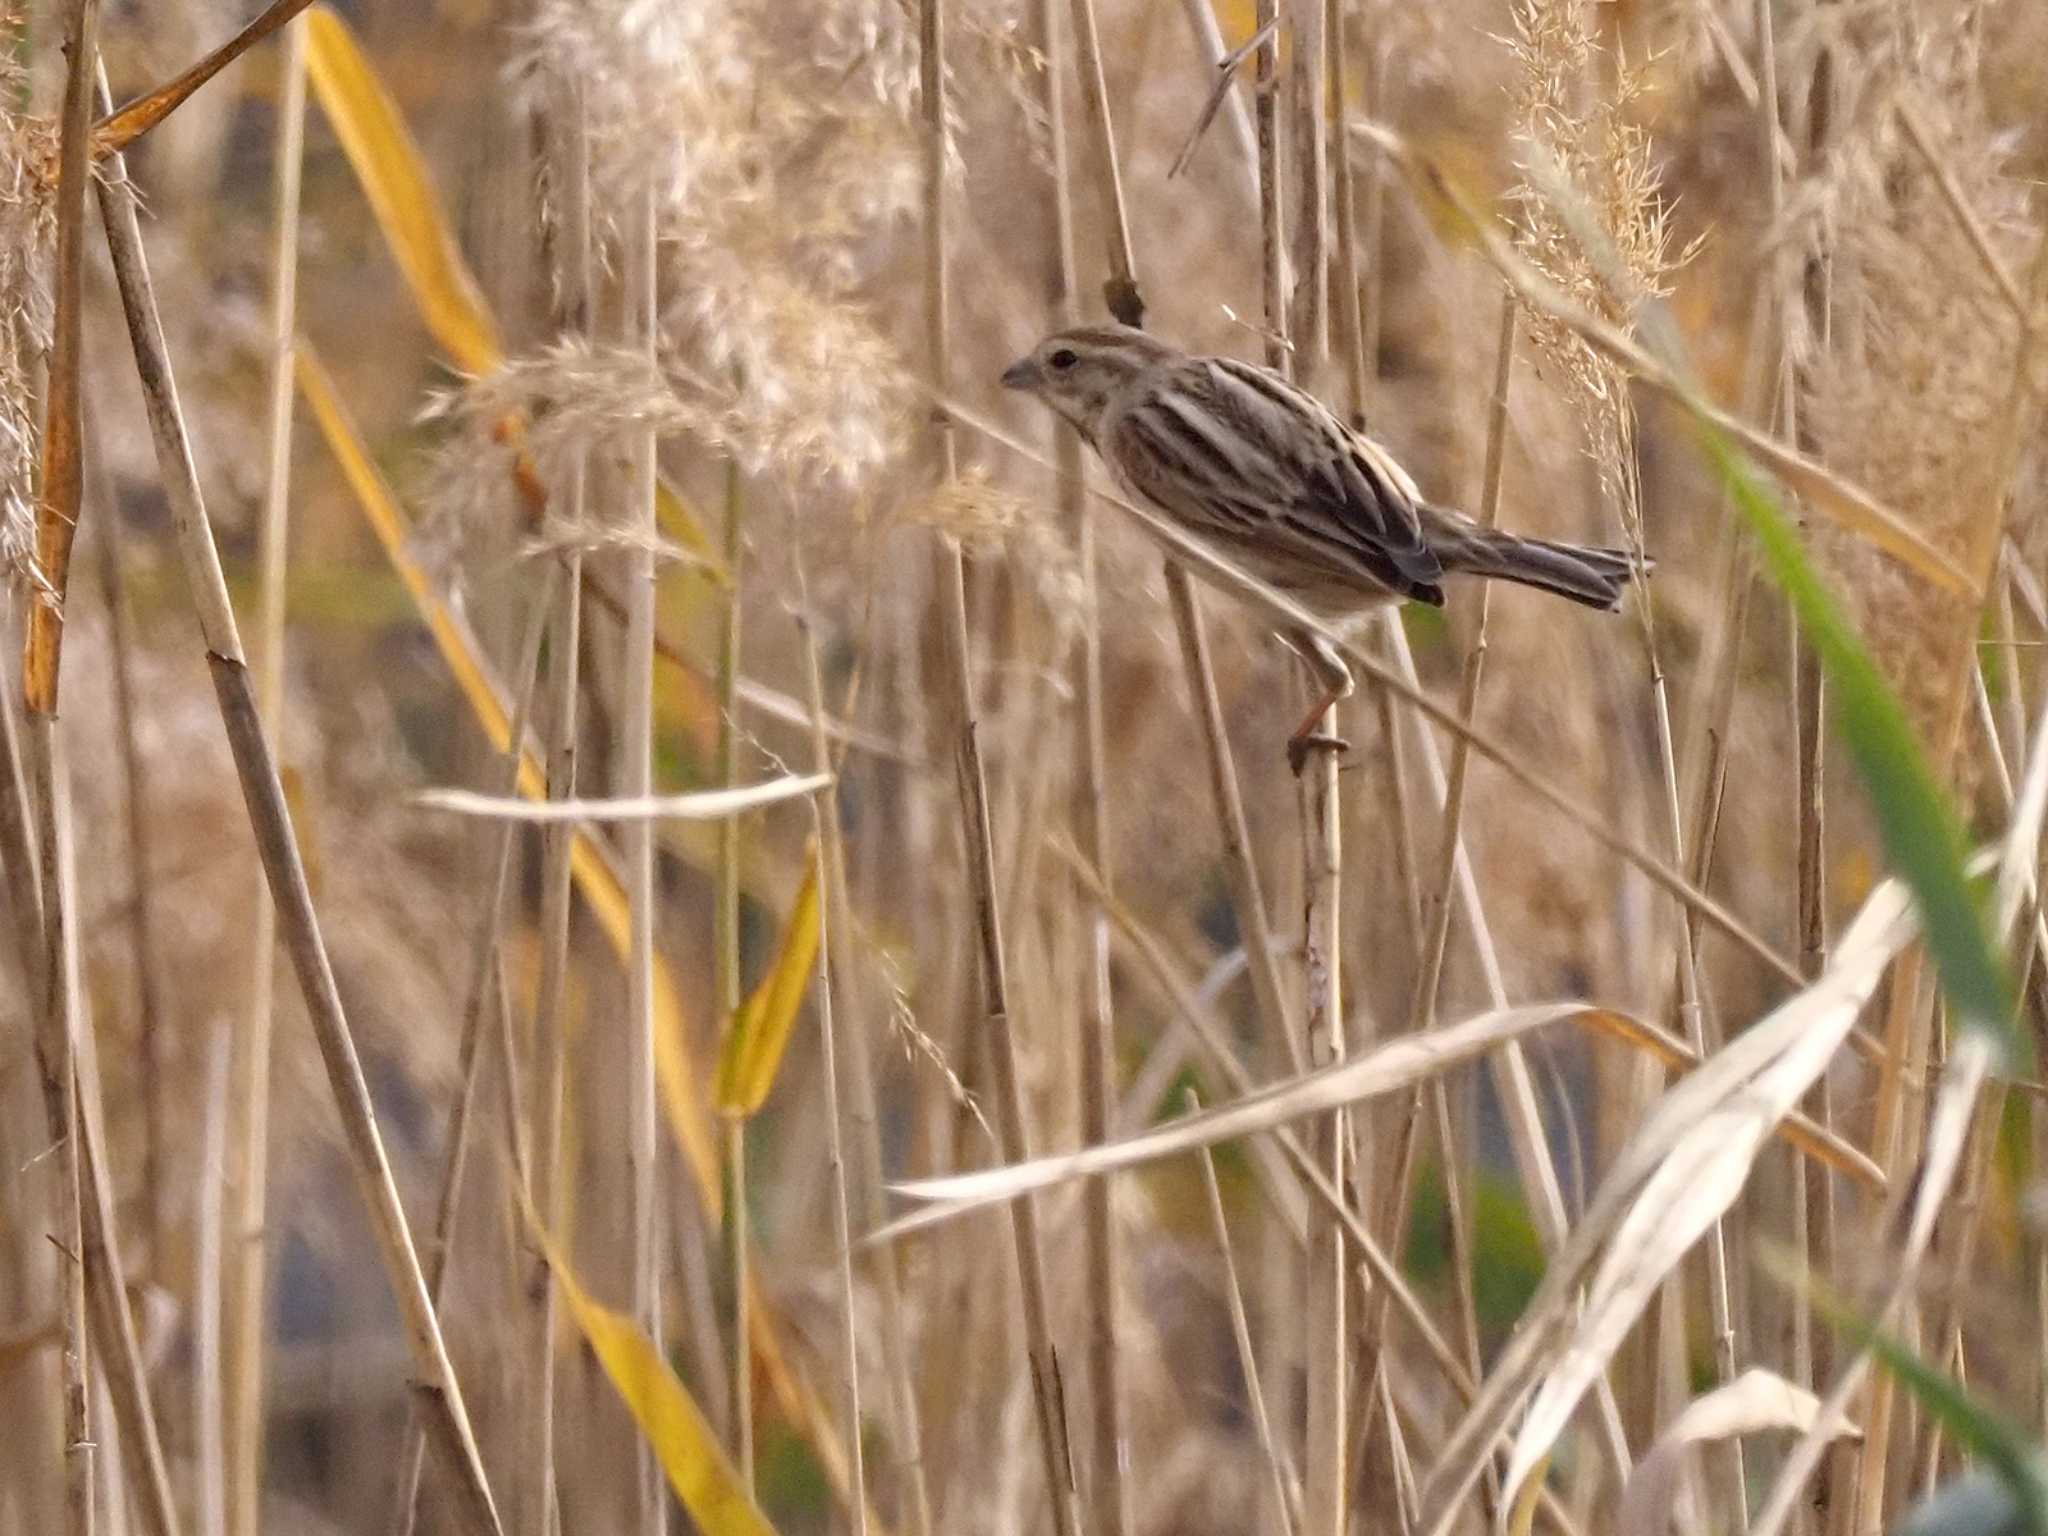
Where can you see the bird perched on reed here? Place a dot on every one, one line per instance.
(1268, 476)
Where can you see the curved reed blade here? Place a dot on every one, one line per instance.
(759, 1032)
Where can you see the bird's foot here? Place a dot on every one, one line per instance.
(1302, 743)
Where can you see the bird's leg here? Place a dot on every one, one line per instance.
(1335, 679)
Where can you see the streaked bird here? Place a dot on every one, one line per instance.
(1268, 475)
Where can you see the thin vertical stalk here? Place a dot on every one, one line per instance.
(117, 1348)
(1201, 15)
(825, 808)
(1272, 227)
(1240, 868)
(1002, 1046)
(1301, 337)
(1373, 217)
(1349, 311)
(59, 500)
(482, 992)
(270, 822)
(1327, 1442)
(57, 1070)
(247, 1302)
(725, 949)
(569, 154)
(209, 1485)
(137, 826)
(1109, 1487)
(1120, 292)
(907, 1440)
(1285, 1498)
(1308, 325)
(636, 778)
(1808, 701)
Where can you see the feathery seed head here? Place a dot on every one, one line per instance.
(1079, 372)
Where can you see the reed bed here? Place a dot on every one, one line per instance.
(739, 950)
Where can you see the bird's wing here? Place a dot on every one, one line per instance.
(1239, 448)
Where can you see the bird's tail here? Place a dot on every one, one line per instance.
(1595, 577)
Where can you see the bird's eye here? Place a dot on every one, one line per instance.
(1063, 359)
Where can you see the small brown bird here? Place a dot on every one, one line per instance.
(1268, 476)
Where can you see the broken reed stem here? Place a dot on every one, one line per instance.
(481, 991)
(725, 952)
(270, 822)
(1012, 1124)
(825, 810)
(569, 165)
(247, 1300)
(1109, 1487)
(636, 779)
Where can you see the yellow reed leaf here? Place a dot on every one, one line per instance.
(668, 1417)
(759, 1032)
(394, 177)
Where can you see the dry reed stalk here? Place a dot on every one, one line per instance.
(57, 1077)
(1326, 1442)
(1286, 1498)
(825, 808)
(54, 1064)
(1109, 1486)
(641, 316)
(1298, 341)
(725, 957)
(1810, 1201)
(569, 168)
(54, 973)
(118, 1364)
(1208, 39)
(907, 1439)
(482, 988)
(1307, 324)
(270, 822)
(116, 130)
(209, 1480)
(1120, 292)
(247, 1300)
(999, 1037)
(138, 828)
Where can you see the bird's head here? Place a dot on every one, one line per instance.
(1079, 372)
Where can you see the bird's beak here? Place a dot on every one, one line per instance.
(1022, 374)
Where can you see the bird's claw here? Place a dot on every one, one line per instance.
(1299, 747)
